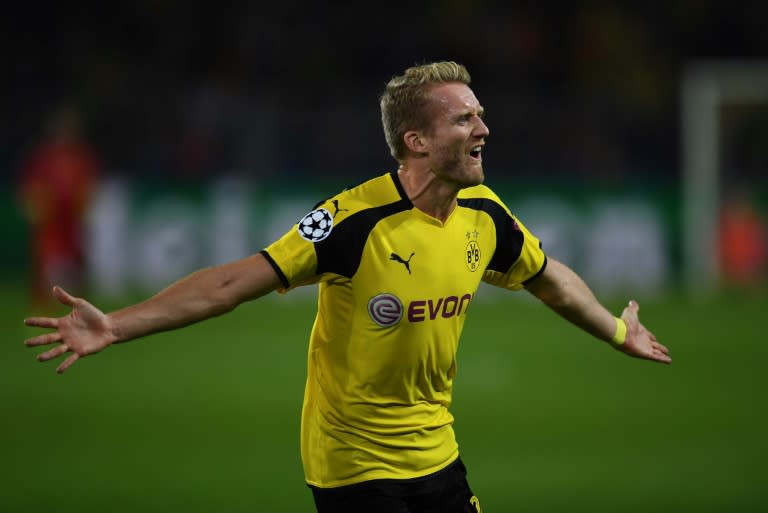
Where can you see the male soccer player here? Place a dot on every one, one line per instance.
(398, 260)
(57, 180)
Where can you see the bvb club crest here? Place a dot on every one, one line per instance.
(473, 253)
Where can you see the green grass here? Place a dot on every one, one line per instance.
(206, 419)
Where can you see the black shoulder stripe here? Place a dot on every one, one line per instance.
(509, 237)
(398, 185)
(348, 187)
(340, 253)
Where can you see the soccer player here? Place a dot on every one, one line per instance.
(398, 259)
(57, 180)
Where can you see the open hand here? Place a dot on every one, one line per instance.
(85, 330)
(640, 342)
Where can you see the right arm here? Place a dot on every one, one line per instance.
(562, 290)
(201, 295)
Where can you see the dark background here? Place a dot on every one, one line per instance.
(575, 90)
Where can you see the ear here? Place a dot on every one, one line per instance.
(415, 142)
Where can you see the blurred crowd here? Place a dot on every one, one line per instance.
(186, 90)
(164, 91)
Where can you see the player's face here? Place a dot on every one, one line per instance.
(457, 135)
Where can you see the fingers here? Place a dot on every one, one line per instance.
(41, 340)
(658, 352)
(67, 363)
(643, 343)
(53, 353)
(660, 347)
(51, 338)
(42, 322)
(660, 355)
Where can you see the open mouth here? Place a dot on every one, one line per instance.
(476, 152)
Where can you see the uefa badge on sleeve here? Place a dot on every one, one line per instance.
(316, 225)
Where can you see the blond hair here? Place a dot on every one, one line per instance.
(405, 97)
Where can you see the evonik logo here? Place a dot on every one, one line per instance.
(387, 310)
(444, 307)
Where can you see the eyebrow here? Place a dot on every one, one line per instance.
(470, 112)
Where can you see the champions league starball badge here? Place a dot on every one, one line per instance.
(316, 225)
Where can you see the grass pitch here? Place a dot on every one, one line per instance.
(206, 419)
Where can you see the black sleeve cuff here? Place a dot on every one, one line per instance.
(543, 266)
(277, 269)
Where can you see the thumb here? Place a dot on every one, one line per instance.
(63, 296)
(630, 315)
(631, 309)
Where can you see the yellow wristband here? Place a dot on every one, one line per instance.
(621, 332)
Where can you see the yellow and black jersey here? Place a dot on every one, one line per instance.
(395, 285)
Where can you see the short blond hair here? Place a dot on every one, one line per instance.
(405, 97)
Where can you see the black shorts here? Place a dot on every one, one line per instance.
(445, 491)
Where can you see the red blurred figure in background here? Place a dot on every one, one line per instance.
(743, 242)
(57, 180)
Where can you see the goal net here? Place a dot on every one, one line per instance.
(722, 103)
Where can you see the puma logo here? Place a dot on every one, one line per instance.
(336, 206)
(406, 263)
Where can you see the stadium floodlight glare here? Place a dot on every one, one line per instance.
(707, 86)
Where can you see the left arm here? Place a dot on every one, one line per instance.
(562, 290)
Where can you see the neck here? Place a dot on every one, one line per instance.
(428, 193)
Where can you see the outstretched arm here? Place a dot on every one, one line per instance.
(561, 289)
(203, 294)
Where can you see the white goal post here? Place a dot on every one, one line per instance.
(707, 86)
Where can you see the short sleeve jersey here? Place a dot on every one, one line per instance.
(395, 285)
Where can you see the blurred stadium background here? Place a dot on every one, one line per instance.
(621, 134)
